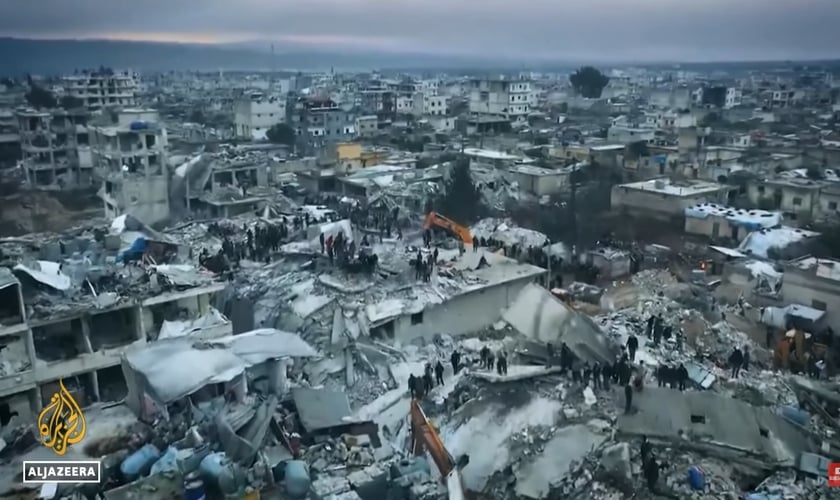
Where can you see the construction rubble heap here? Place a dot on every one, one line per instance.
(334, 327)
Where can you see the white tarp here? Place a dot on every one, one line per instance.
(194, 327)
(175, 368)
(47, 272)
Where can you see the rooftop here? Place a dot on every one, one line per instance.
(755, 218)
(682, 188)
(823, 268)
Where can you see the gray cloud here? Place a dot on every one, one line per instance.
(598, 30)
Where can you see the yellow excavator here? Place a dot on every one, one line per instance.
(424, 438)
(434, 219)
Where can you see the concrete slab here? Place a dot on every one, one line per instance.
(568, 445)
(708, 419)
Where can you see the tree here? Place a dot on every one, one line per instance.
(589, 82)
(814, 173)
(637, 149)
(71, 102)
(281, 133)
(197, 116)
(461, 200)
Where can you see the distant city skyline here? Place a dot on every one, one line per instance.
(596, 30)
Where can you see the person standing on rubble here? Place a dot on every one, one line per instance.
(682, 377)
(456, 362)
(565, 357)
(439, 373)
(428, 381)
(491, 360)
(412, 385)
(645, 449)
(321, 240)
(661, 374)
(606, 373)
(632, 347)
(596, 376)
(736, 360)
(587, 373)
(427, 374)
(485, 355)
(649, 328)
(651, 471)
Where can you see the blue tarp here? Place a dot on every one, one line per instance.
(135, 251)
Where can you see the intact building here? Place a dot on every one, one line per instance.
(256, 114)
(508, 99)
(665, 199)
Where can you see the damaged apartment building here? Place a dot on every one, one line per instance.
(54, 147)
(69, 309)
(129, 152)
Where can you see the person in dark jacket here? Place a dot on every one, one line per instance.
(606, 373)
(661, 375)
(456, 362)
(412, 385)
(428, 382)
(632, 347)
(565, 357)
(439, 373)
(736, 360)
(682, 377)
(485, 355)
(501, 364)
(651, 470)
(645, 449)
(596, 376)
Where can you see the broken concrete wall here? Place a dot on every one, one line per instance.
(541, 317)
(462, 314)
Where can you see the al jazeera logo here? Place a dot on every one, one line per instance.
(61, 424)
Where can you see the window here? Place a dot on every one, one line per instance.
(760, 189)
(832, 205)
(818, 304)
(797, 202)
(417, 318)
(698, 419)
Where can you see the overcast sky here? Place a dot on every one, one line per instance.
(596, 30)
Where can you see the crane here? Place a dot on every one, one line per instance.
(425, 438)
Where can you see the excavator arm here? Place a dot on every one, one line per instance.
(434, 219)
(424, 438)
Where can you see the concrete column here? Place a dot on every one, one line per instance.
(35, 403)
(139, 323)
(278, 381)
(94, 383)
(29, 341)
(85, 320)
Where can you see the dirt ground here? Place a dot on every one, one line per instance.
(43, 211)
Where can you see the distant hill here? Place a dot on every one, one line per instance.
(49, 57)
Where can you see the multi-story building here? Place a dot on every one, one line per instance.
(54, 147)
(319, 122)
(9, 138)
(103, 89)
(83, 342)
(129, 155)
(256, 114)
(433, 105)
(733, 97)
(508, 99)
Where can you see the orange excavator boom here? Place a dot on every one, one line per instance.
(424, 438)
(435, 219)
